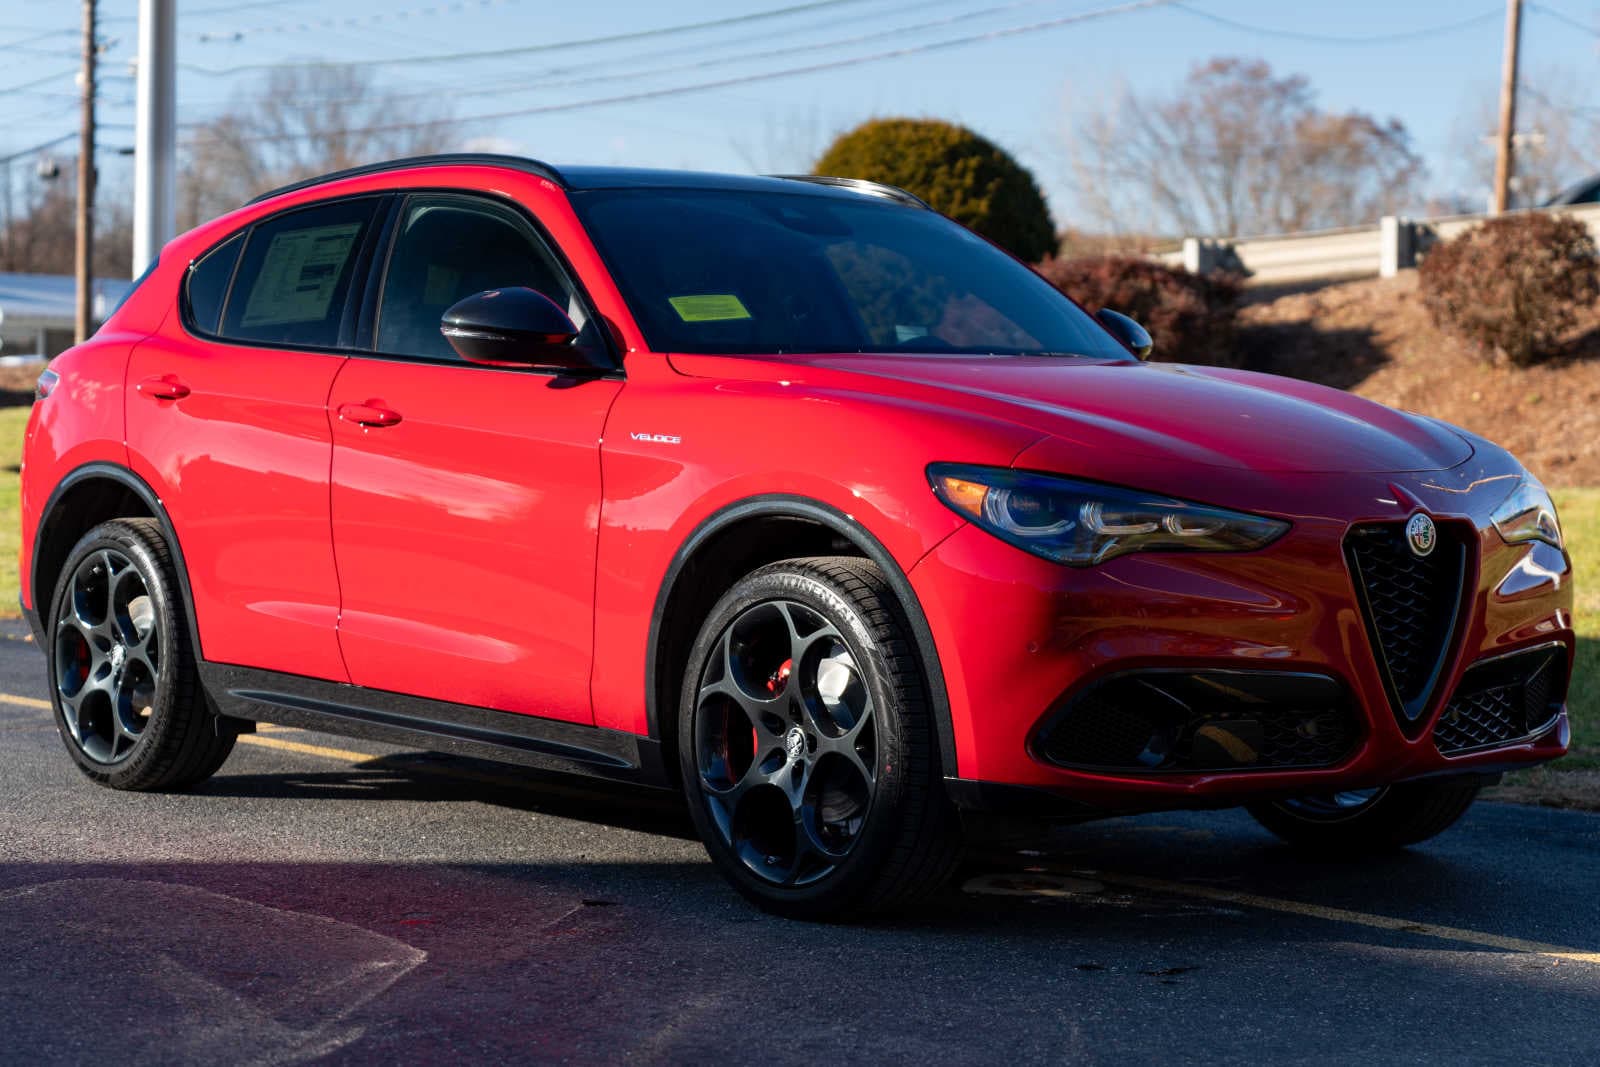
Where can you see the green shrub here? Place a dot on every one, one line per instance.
(1513, 286)
(1191, 317)
(956, 171)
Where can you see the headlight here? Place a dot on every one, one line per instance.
(1528, 514)
(1081, 523)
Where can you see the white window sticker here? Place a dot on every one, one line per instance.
(298, 275)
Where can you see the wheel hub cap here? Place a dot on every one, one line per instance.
(794, 743)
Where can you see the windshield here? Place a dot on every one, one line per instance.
(733, 271)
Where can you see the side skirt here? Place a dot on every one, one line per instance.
(461, 729)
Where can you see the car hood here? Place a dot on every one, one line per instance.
(1206, 415)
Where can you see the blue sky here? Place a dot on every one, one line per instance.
(1021, 90)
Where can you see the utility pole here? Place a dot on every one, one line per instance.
(83, 323)
(155, 138)
(1505, 154)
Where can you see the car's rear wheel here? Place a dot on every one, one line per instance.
(126, 693)
(806, 744)
(1362, 822)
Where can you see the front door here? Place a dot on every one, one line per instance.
(466, 498)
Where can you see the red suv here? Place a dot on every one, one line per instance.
(788, 493)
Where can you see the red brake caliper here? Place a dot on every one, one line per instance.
(775, 684)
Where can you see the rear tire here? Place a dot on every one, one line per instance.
(127, 696)
(1346, 824)
(806, 745)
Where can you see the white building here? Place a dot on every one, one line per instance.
(36, 311)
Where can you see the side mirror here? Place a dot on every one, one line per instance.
(516, 326)
(1127, 331)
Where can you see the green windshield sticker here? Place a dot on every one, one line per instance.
(709, 307)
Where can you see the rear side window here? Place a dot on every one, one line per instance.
(207, 284)
(294, 276)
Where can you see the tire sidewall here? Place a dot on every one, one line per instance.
(853, 877)
(127, 540)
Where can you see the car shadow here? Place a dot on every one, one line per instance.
(1208, 849)
(438, 777)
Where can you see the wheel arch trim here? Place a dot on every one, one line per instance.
(106, 471)
(781, 505)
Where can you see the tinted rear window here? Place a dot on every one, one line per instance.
(733, 271)
(295, 273)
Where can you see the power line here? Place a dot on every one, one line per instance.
(745, 79)
(1563, 17)
(1319, 38)
(523, 50)
(24, 86)
(335, 21)
(774, 53)
(44, 36)
(477, 86)
(224, 9)
(544, 84)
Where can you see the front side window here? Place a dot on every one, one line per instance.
(293, 278)
(735, 271)
(449, 247)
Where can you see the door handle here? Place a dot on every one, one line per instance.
(369, 415)
(163, 387)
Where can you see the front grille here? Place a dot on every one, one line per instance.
(1502, 701)
(1163, 720)
(1410, 604)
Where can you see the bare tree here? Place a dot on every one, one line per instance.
(1237, 149)
(297, 122)
(1558, 139)
(39, 239)
(790, 144)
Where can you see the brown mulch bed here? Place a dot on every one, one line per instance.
(1375, 338)
(1577, 789)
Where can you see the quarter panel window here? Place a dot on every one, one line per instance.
(207, 284)
(294, 276)
(450, 247)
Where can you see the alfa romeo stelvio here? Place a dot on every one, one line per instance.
(789, 494)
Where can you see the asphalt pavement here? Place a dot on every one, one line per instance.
(332, 900)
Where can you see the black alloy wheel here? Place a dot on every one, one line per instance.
(785, 743)
(126, 693)
(806, 745)
(107, 656)
(1367, 821)
(1332, 807)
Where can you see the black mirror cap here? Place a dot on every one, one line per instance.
(1127, 331)
(515, 326)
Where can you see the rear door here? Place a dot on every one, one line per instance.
(227, 421)
(465, 497)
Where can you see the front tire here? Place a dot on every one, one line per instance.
(127, 697)
(806, 744)
(1343, 825)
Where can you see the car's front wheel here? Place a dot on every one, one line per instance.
(1362, 822)
(806, 744)
(126, 693)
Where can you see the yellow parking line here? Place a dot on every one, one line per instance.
(343, 754)
(24, 702)
(1345, 915)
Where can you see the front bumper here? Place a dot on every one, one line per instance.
(1020, 639)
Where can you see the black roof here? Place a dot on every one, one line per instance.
(581, 178)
